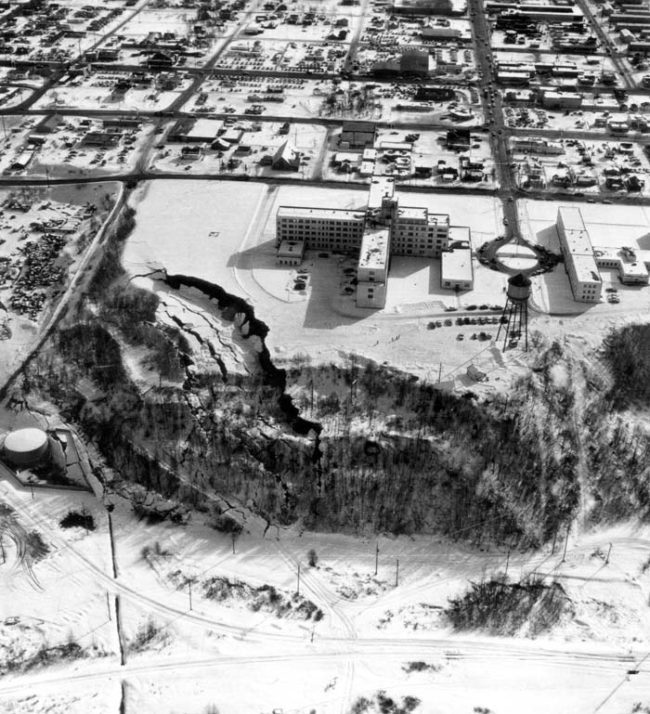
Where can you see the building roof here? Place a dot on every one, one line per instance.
(289, 248)
(387, 145)
(380, 187)
(457, 233)
(373, 254)
(412, 213)
(287, 155)
(359, 126)
(456, 265)
(204, 129)
(438, 218)
(576, 236)
(585, 268)
(337, 214)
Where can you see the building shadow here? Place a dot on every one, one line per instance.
(559, 294)
(329, 305)
(548, 238)
(644, 242)
(404, 268)
(261, 255)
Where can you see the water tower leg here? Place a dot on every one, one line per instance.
(503, 314)
(508, 325)
(525, 316)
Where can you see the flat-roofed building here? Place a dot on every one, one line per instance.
(631, 263)
(372, 269)
(633, 272)
(381, 187)
(204, 130)
(419, 233)
(374, 233)
(290, 252)
(456, 270)
(321, 228)
(358, 134)
(579, 259)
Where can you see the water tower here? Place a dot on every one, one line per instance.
(516, 310)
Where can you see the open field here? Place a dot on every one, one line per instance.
(100, 92)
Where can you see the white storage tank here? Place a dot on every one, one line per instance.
(26, 447)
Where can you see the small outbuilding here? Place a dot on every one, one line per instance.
(290, 252)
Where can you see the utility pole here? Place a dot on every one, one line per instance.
(439, 372)
(376, 557)
(554, 540)
(396, 572)
(298, 590)
(507, 562)
(189, 589)
(233, 544)
(608, 553)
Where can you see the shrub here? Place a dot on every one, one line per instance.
(503, 608)
(35, 547)
(148, 634)
(74, 519)
(312, 558)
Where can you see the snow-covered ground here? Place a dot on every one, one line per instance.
(235, 249)
(185, 652)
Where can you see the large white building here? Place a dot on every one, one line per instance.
(321, 228)
(578, 253)
(382, 229)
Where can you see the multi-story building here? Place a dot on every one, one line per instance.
(383, 229)
(418, 232)
(372, 269)
(321, 228)
(579, 258)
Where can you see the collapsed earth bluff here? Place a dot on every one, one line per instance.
(360, 447)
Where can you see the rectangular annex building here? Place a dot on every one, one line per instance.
(578, 253)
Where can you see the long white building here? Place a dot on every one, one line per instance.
(579, 259)
(321, 228)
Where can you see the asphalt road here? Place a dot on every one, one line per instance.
(493, 110)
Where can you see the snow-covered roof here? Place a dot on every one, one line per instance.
(373, 254)
(456, 266)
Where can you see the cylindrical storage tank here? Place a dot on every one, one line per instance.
(26, 447)
(519, 288)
